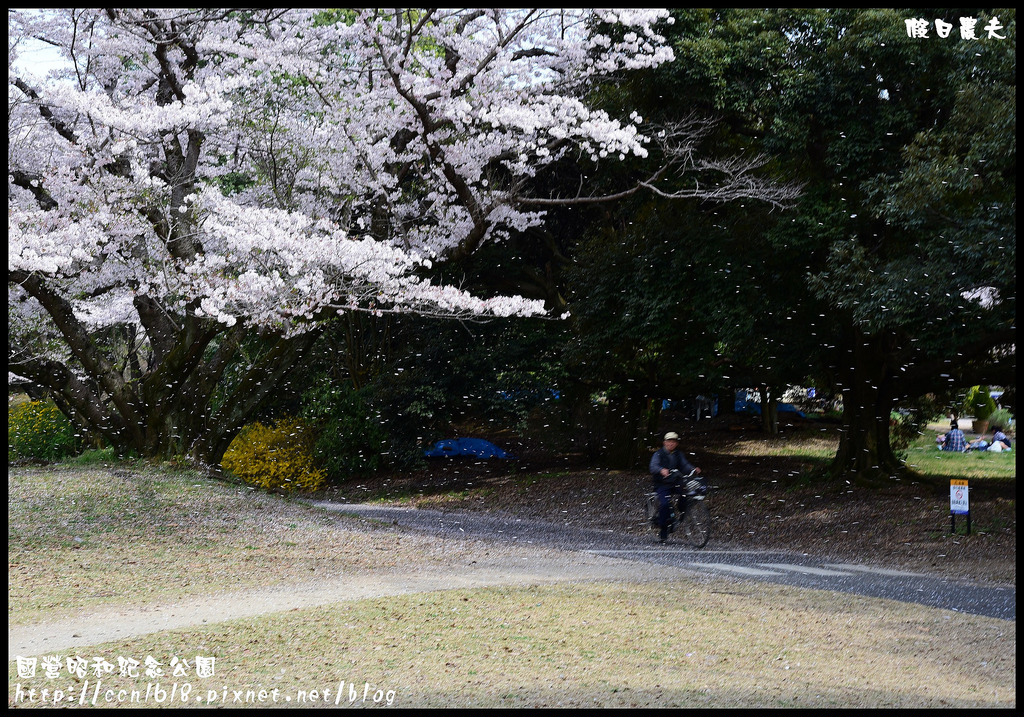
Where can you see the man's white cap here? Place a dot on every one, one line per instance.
(671, 436)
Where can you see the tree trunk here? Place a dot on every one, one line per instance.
(652, 415)
(727, 402)
(769, 410)
(865, 455)
(171, 410)
(262, 381)
(625, 418)
(582, 421)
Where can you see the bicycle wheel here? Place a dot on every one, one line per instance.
(651, 507)
(697, 523)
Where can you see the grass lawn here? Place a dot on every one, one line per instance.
(82, 537)
(666, 644)
(817, 447)
(925, 458)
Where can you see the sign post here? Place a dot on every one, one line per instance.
(959, 503)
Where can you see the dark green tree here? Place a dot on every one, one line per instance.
(678, 293)
(893, 276)
(906, 149)
(637, 332)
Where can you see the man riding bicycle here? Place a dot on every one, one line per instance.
(666, 483)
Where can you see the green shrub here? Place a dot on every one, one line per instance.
(275, 457)
(979, 403)
(349, 437)
(37, 430)
(1001, 418)
(903, 430)
(96, 457)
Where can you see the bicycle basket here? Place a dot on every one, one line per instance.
(697, 487)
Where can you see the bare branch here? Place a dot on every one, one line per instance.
(717, 180)
(59, 127)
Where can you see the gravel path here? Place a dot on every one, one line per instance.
(800, 569)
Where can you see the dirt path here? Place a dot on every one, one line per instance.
(513, 567)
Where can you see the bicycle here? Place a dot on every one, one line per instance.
(692, 513)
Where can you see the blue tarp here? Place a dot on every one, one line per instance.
(754, 407)
(477, 447)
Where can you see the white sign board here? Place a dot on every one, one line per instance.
(958, 502)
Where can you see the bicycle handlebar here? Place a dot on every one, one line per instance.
(694, 487)
(691, 474)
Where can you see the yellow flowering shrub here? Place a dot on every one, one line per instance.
(38, 430)
(277, 456)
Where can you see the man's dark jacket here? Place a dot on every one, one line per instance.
(663, 459)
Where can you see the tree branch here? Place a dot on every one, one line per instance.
(34, 185)
(59, 127)
(82, 345)
(56, 377)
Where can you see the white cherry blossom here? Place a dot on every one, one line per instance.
(189, 175)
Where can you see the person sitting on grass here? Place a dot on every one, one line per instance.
(978, 444)
(1000, 442)
(955, 440)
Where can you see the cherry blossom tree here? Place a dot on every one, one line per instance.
(195, 188)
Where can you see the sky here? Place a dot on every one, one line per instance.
(36, 58)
